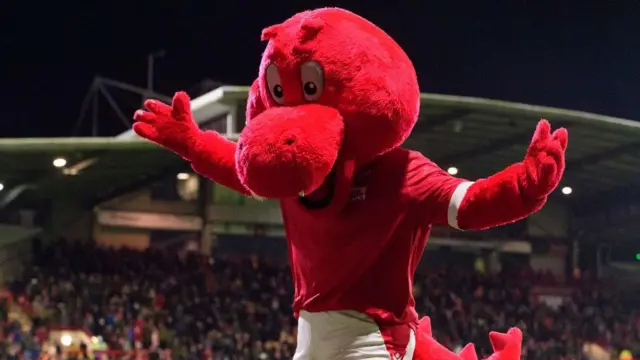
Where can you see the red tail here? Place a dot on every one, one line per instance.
(505, 346)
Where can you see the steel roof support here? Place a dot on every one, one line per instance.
(141, 182)
(603, 156)
(102, 87)
(500, 144)
(428, 123)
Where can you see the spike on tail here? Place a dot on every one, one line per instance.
(505, 346)
(468, 353)
(427, 348)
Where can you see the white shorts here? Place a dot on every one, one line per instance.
(338, 335)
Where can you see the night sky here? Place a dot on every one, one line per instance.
(575, 54)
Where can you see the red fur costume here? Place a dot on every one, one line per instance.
(334, 100)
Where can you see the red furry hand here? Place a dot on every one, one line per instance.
(544, 162)
(170, 126)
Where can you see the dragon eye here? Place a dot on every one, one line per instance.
(274, 84)
(312, 76)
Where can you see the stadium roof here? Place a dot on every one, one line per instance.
(477, 136)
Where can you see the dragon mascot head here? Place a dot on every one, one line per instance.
(334, 92)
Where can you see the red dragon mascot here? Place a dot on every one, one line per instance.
(334, 100)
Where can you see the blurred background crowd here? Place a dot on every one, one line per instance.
(153, 304)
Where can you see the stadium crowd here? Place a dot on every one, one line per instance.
(239, 308)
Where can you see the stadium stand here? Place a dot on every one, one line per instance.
(205, 274)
